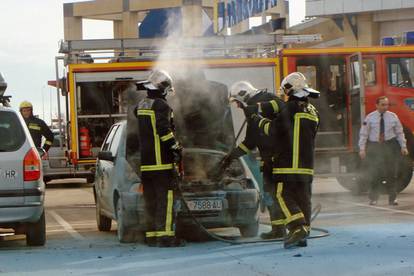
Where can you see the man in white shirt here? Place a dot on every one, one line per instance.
(381, 141)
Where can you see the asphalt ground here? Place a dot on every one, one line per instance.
(364, 240)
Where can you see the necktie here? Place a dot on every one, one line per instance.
(382, 129)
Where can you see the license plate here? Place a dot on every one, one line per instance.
(205, 205)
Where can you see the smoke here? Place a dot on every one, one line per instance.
(200, 105)
(175, 48)
(201, 111)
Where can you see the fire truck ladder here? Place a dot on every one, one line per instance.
(262, 45)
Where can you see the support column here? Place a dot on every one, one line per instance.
(367, 31)
(130, 24)
(117, 29)
(192, 16)
(240, 27)
(72, 24)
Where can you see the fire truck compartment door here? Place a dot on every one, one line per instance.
(356, 96)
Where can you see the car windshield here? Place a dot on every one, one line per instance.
(11, 132)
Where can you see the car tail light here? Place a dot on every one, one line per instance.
(31, 166)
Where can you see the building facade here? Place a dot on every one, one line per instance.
(157, 18)
(132, 17)
(357, 22)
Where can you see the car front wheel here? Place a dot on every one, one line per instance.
(36, 232)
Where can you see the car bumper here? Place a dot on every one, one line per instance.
(54, 173)
(10, 216)
(239, 208)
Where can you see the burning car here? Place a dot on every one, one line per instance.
(206, 134)
(231, 201)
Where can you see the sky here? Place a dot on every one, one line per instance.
(30, 31)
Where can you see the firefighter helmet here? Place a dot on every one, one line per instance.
(295, 84)
(159, 80)
(242, 91)
(25, 104)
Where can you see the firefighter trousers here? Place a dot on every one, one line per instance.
(159, 204)
(294, 199)
(269, 188)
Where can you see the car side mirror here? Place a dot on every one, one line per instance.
(106, 155)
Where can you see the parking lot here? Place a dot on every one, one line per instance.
(364, 240)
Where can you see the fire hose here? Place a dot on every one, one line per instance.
(230, 239)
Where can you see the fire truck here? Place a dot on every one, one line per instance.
(99, 74)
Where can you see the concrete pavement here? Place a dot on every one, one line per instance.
(365, 240)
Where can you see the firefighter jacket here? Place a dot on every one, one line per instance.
(268, 106)
(293, 133)
(38, 128)
(155, 122)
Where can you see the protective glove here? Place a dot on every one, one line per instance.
(177, 151)
(250, 110)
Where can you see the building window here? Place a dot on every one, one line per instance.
(401, 72)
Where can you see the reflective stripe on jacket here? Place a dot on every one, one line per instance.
(293, 132)
(156, 134)
(268, 105)
(38, 128)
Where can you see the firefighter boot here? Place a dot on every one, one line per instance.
(171, 242)
(151, 241)
(295, 237)
(304, 242)
(277, 232)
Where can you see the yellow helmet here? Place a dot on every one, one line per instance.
(25, 104)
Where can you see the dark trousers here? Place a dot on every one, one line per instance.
(294, 199)
(382, 162)
(270, 189)
(159, 203)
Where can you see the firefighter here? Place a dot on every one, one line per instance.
(37, 128)
(293, 133)
(244, 93)
(159, 153)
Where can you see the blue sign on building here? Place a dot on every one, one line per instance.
(235, 11)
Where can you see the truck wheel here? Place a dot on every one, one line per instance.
(249, 230)
(104, 223)
(353, 183)
(359, 184)
(405, 173)
(125, 235)
(36, 232)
